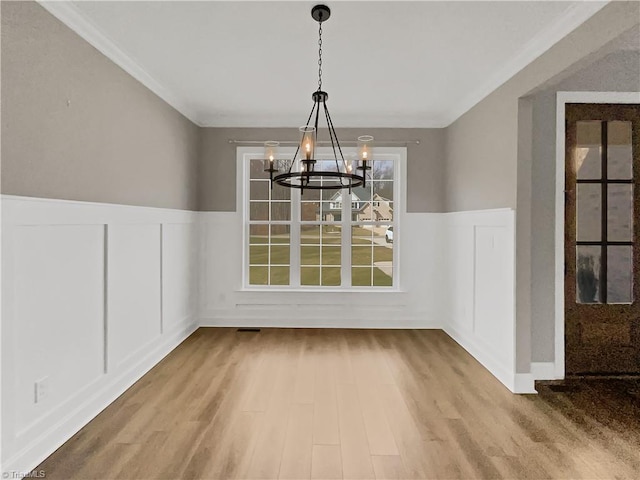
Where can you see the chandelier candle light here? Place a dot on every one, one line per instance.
(301, 171)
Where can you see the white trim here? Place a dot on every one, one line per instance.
(19, 210)
(562, 98)
(571, 19)
(413, 323)
(245, 154)
(48, 442)
(543, 371)
(69, 14)
(524, 383)
(28, 441)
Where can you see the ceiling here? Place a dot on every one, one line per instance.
(385, 64)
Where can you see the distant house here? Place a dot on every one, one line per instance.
(363, 207)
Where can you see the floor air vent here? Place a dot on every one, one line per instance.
(248, 330)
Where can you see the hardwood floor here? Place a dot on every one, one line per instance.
(331, 404)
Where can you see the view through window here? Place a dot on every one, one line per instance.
(322, 238)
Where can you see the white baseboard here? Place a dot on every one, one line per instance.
(44, 445)
(483, 355)
(320, 322)
(524, 383)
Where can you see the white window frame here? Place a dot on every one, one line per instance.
(397, 154)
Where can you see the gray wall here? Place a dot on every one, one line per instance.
(75, 126)
(485, 161)
(425, 162)
(618, 71)
(482, 145)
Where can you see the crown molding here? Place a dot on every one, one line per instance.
(346, 121)
(67, 13)
(571, 19)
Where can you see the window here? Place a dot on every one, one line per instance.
(328, 239)
(269, 230)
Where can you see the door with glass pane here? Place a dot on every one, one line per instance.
(602, 288)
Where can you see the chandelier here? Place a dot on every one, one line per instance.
(303, 171)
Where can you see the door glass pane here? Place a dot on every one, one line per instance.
(588, 146)
(589, 208)
(619, 157)
(619, 274)
(620, 213)
(587, 274)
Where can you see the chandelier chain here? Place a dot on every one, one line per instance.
(320, 57)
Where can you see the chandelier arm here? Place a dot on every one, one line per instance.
(332, 135)
(331, 127)
(316, 124)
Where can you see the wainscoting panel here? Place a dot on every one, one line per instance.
(133, 292)
(59, 274)
(86, 288)
(179, 274)
(479, 290)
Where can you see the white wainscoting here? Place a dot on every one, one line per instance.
(414, 305)
(94, 295)
(479, 290)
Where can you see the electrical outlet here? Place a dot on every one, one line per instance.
(41, 389)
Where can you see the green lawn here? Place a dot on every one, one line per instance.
(362, 254)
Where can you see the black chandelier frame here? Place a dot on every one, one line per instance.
(308, 177)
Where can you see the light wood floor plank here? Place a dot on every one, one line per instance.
(330, 404)
(296, 456)
(356, 458)
(325, 414)
(389, 467)
(326, 462)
